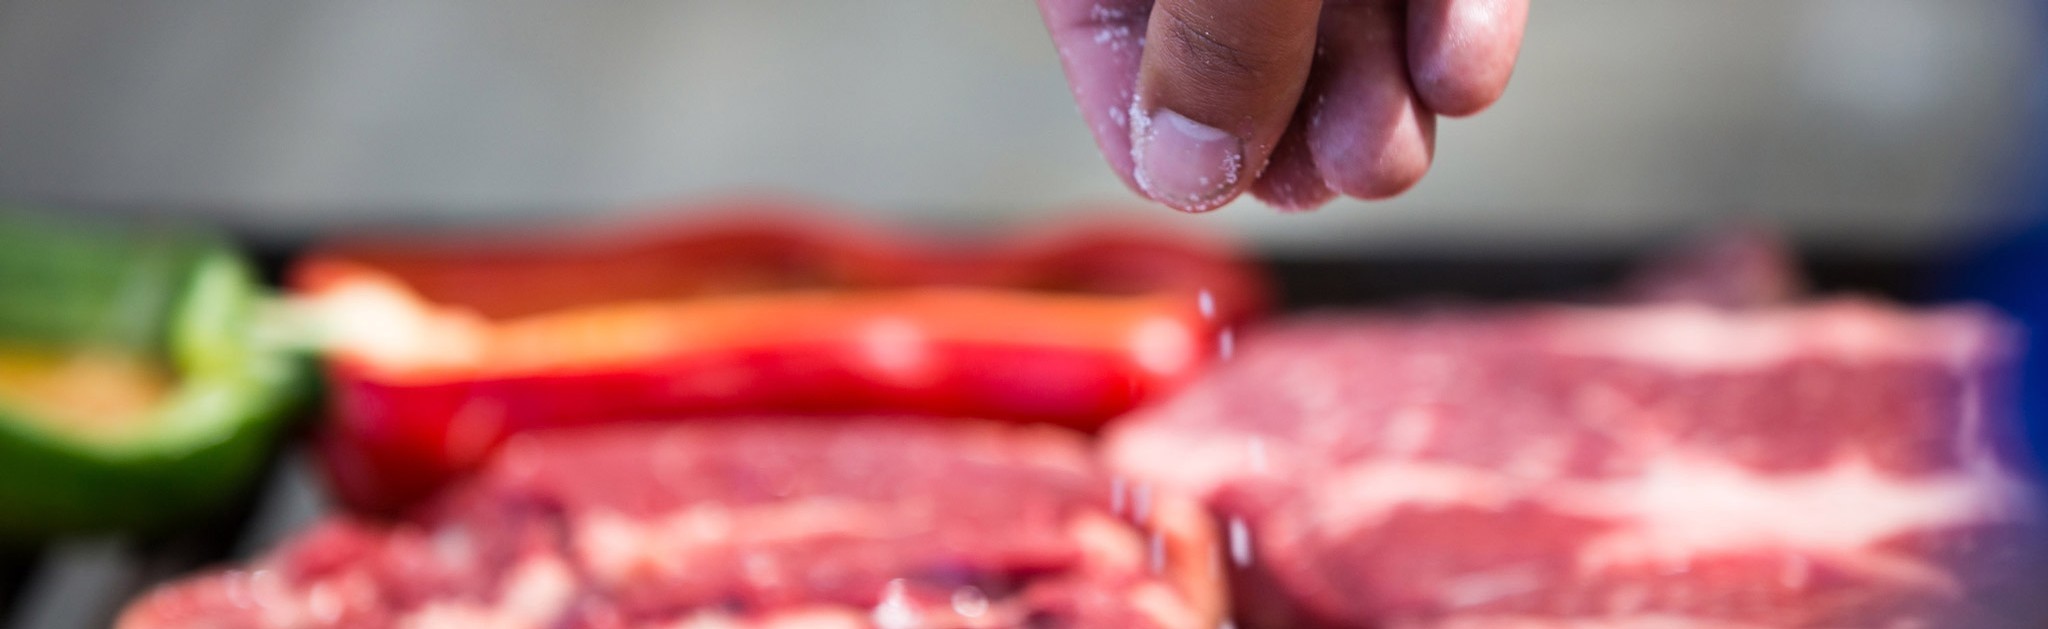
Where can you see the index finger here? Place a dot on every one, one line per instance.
(1100, 43)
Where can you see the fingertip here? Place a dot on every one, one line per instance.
(1112, 134)
(1217, 84)
(1391, 164)
(1458, 99)
(1099, 43)
(1462, 52)
(1371, 136)
(1187, 164)
(1294, 190)
(1386, 181)
(1291, 182)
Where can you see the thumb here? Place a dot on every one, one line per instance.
(1216, 86)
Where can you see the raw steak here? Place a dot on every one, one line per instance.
(1642, 467)
(747, 523)
(1738, 266)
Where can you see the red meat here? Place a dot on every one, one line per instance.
(758, 523)
(1737, 266)
(1658, 466)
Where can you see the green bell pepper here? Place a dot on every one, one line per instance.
(143, 376)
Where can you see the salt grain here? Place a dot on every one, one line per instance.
(1240, 543)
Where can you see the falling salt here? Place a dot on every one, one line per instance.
(1118, 116)
(1240, 543)
(894, 611)
(1226, 343)
(968, 601)
(1206, 303)
(1116, 495)
(1155, 553)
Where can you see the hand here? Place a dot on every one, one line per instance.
(1197, 101)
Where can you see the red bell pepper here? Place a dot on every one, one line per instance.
(440, 349)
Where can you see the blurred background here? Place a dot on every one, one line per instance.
(1870, 125)
(1898, 140)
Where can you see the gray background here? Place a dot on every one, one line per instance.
(1862, 123)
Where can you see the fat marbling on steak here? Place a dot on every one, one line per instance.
(746, 523)
(1665, 466)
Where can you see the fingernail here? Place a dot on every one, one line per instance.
(1183, 163)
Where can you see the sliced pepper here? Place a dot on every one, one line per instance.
(140, 381)
(439, 349)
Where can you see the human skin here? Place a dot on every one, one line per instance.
(1196, 102)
